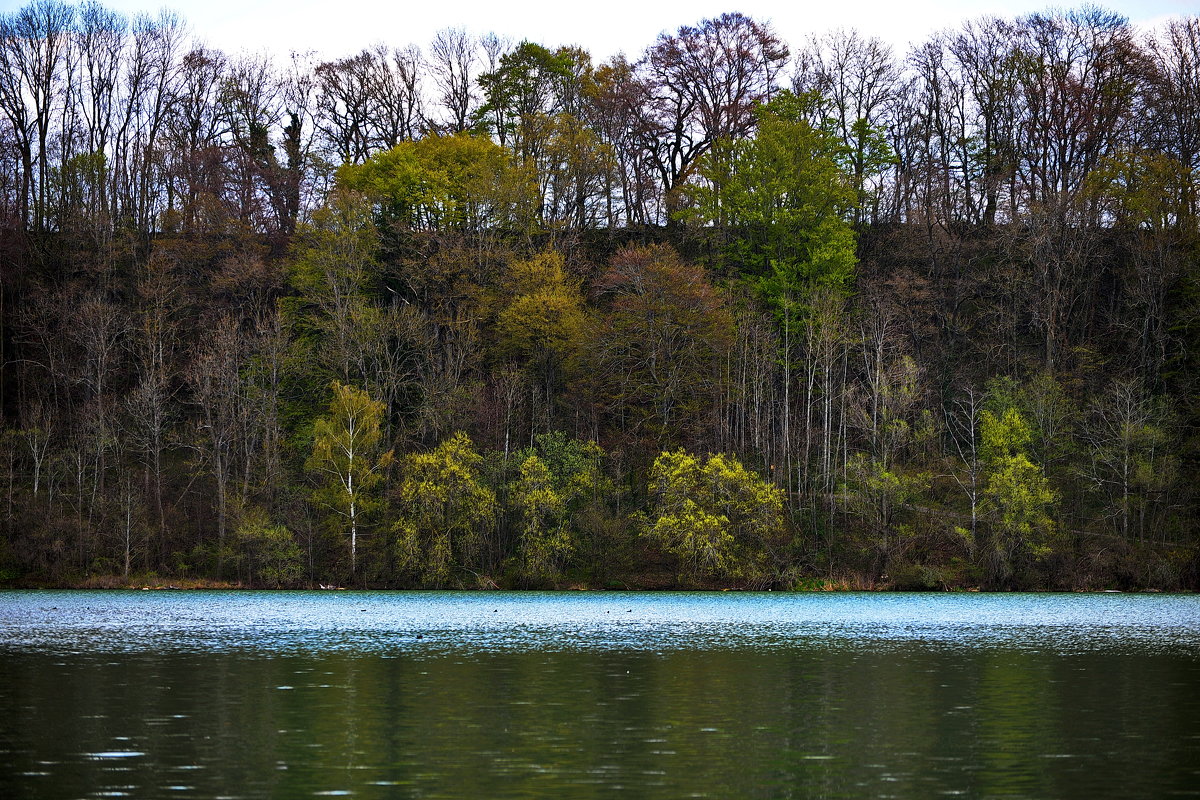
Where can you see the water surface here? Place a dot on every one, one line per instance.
(413, 694)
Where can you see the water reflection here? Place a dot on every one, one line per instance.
(537, 696)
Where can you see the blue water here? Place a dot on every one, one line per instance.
(430, 694)
(434, 622)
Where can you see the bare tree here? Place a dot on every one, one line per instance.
(1131, 465)
(102, 41)
(398, 116)
(701, 84)
(988, 65)
(150, 88)
(214, 381)
(370, 101)
(197, 131)
(1172, 95)
(34, 50)
(453, 55)
(855, 79)
(962, 423)
(1077, 81)
(249, 104)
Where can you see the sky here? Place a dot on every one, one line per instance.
(335, 28)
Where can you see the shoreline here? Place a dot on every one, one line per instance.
(117, 583)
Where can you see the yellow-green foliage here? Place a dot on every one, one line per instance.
(1004, 436)
(269, 553)
(334, 253)
(1017, 495)
(717, 517)
(445, 511)
(1141, 188)
(447, 183)
(545, 541)
(545, 313)
(560, 488)
(876, 492)
(346, 459)
(333, 266)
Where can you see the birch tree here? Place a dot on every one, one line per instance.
(346, 459)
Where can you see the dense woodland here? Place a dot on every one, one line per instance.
(729, 312)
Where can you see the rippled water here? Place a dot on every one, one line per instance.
(382, 694)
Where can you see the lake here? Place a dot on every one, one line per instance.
(598, 694)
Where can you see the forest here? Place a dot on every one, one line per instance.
(728, 313)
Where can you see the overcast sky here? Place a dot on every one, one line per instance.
(334, 28)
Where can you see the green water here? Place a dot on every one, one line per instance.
(598, 695)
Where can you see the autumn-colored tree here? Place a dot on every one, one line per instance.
(652, 355)
(614, 108)
(194, 243)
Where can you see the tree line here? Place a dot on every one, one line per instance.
(488, 313)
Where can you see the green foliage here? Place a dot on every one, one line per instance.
(168, 332)
(574, 168)
(545, 539)
(575, 466)
(908, 576)
(592, 536)
(866, 157)
(347, 461)
(444, 511)
(447, 183)
(333, 270)
(718, 518)
(78, 182)
(529, 82)
(1131, 467)
(1002, 436)
(1052, 416)
(334, 253)
(1144, 189)
(543, 316)
(268, 552)
(784, 196)
(876, 492)
(1017, 497)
